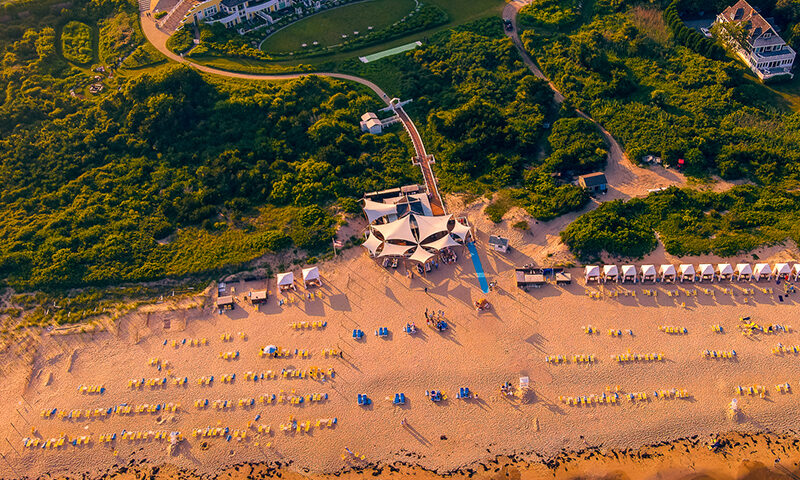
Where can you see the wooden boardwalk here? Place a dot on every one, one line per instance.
(424, 161)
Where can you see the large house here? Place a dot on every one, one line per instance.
(764, 51)
(235, 12)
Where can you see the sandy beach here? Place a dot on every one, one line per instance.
(479, 351)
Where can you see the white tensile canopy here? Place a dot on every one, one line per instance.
(398, 230)
(592, 273)
(376, 210)
(285, 279)
(724, 271)
(311, 273)
(628, 273)
(372, 243)
(648, 272)
(610, 272)
(796, 270)
(442, 243)
(667, 272)
(428, 226)
(781, 270)
(460, 230)
(743, 270)
(761, 271)
(393, 250)
(421, 255)
(686, 271)
(706, 271)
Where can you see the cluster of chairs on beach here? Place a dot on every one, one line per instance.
(143, 435)
(331, 352)
(222, 432)
(783, 388)
(100, 413)
(91, 389)
(305, 426)
(730, 354)
(575, 358)
(231, 355)
(56, 442)
(272, 351)
(780, 349)
(673, 330)
(759, 390)
(309, 325)
(638, 357)
(192, 342)
(135, 383)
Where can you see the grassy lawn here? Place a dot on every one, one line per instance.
(328, 27)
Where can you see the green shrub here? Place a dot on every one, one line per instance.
(160, 15)
(181, 41)
(119, 36)
(76, 42)
(553, 14)
(521, 225)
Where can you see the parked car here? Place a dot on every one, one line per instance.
(508, 25)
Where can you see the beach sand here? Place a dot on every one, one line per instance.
(479, 351)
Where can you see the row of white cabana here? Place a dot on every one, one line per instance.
(686, 272)
(310, 277)
(420, 233)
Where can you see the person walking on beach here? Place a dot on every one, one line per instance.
(403, 422)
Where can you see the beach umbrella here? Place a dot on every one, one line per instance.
(270, 349)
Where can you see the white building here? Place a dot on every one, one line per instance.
(765, 52)
(234, 12)
(371, 123)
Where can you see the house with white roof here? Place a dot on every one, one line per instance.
(762, 49)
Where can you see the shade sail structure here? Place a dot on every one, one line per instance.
(393, 250)
(375, 210)
(460, 230)
(372, 243)
(429, 226)
(781, 270)
(285, 279)
(310, 274)
(592, 273)
(686, 272)
(724, 270)
(761, 271)
(610, 272)
(420, 255)
(743, 271)
(648, 272)
(442, 243)
(398, 230)
(706, 271)
(667, 271)
(628, 273)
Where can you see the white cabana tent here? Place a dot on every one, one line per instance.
(393, 250)
(761, 272)
(428, 226)
(782, 270)
(398, 230)
(706, 272)
(592, 273)
(686, 272)
(460, 230)
(648, 273)
(311, 277)
(628, 274)
(375, 210)
(420, 255)
(796, 271)
(442, 243)
(724, 271)
(667, 272)
(285, 280)
(610, 272)
(743, 271)
(372, 243)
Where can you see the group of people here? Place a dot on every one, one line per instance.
(448, 256)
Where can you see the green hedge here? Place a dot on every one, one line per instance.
(690, 38)
(181, 41)
(76, 43)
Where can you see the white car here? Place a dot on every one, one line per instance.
(706, 32)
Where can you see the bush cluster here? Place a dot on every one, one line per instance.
(690, 37)
(76, 42)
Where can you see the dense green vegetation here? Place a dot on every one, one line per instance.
(688, 223)
(484, 117)
(182, 40)
(554, 14)
(76, 42)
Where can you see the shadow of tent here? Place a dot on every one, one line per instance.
(340, 302)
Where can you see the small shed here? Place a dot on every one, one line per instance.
(610, 272)
(724, 271)
(286, 281)
(498, 244)
(761, 272)
(225, 302)
(796, 271)
(592, 273)
(648, 273)
(782, 270)
(705, 272)
(527, 278)
(257, 297)
(743, 271)
(563, 278)
(667, 272)
(370, 123)
(686, 272)
(628, 274)
(594, 182)
(311, 277)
